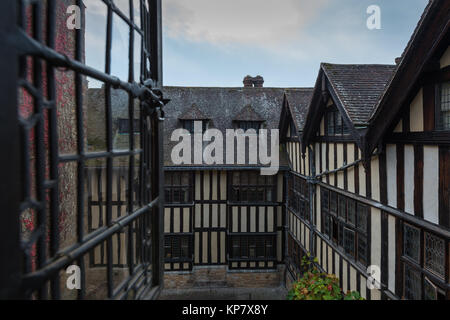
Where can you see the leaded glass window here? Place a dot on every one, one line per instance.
(347, 226)
(434, 254)
(349, 242)
(444, 107)
(413, 287)
(411, 244)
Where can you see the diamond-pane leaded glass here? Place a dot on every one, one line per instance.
(434, 254)
(411, 242)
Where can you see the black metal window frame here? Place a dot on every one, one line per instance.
(250, 187)
(252, 248)
(334, 123)
(346, 223)
(442, 109)
(179, 187)
(298, 197)
(178, 249)
(42, 281)
(421, 278)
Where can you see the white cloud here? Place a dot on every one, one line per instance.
(265, 23)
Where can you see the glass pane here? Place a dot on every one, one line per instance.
(351, 213)
(445, 106)
(324, 199)
(96, 116)
(137, 56)
(435, 254)
(411, 242)
(333, 202)
(119, 49)
(349, 242)
(95, 43)
(362, 212)
(413, 288)
(362, 249)
(123, 6)
(121, 124)
(430, 290)
(342, 207)
(137, 12)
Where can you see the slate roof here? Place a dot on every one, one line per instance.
(193, 113)
(299, 100)
(358, 87)
(222, 106)
(248, 113)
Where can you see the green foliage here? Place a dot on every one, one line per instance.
(316, 285)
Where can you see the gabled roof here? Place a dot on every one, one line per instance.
(429, 40)
(221, 106)
(193, 113)
(358, 87)
(354, 88)
(248, 113)
(298, 102)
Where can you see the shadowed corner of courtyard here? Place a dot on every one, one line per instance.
(276, 293)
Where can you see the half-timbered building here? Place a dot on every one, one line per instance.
(224, 222)
(373, 204)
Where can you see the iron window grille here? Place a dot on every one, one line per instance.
(345, 223)
(47, 64)
(424, 261)
(251, 187)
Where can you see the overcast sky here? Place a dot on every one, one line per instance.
(217, 43)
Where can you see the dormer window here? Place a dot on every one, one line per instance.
(246, 125)
(443, 106)
(335, 123)
(189, 125)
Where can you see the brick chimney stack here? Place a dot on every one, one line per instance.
(248, 82)
(253, 82)
(258, 81)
